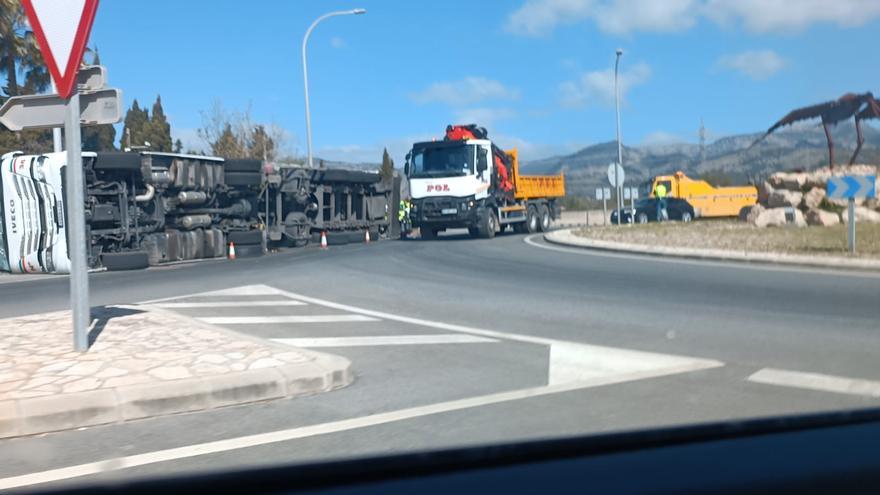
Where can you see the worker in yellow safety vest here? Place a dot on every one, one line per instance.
(403, 218)
(660, 194)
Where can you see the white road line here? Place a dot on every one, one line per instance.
(259, 320)
(385, 340)
(746, 265)
(817, 381)
(320, 429)
(228, 304)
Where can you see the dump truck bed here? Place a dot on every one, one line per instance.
(535, 186)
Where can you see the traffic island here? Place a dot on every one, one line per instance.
(143, 362)
(731, 241)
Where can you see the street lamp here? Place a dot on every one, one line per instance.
(619, 147)
(306, 70)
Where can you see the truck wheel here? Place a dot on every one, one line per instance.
(545, 219)
(130, 260)
(487, 226)
(532, 220)
(246, 238)
(428, 234)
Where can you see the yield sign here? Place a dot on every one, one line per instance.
(62, 30)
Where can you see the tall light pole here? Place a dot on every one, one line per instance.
(306, 70)
(619, 146)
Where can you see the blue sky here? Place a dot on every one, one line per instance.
(537, 73)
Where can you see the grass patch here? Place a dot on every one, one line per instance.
(739, 236)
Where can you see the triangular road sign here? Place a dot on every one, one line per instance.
(62, 29)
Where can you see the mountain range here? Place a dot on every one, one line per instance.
(727, 159)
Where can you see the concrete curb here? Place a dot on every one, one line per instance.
(320, 373)
(565, 237)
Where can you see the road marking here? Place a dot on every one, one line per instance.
(228, 304)
(746, 265)
(384, 340)
(258, 320)
(817, 381)
(319, 429)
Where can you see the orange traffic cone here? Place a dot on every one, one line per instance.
(367, 236)
(323, 240)
(232, 250)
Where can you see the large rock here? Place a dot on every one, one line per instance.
(754, 212)
(779, 217)
(872, 204)
(862, 215)
(764, 192)
(792, 181)
(784, 197)
(813, 198)
(822, 218)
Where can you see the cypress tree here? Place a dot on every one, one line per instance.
(158, 131)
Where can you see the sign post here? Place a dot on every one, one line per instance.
(616, 178)
(62, 32)
(852, 187)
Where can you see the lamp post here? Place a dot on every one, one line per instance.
(619, 146)
(306, 70)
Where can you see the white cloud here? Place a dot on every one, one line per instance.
(758, 65)
(662, 16)
(466, 91)
(337, 42)
(540, 17)
(598, 86)
(784, 15)
(661, 137)
(483, 116)
(537, 17)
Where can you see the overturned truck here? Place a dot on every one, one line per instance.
(149, 208)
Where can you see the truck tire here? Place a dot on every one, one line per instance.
(337, 238)
(544, 217)
(246, 238)
(129, 260)
(488, 224)
(428, 234)
(533, 221)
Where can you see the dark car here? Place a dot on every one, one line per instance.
(646, 211)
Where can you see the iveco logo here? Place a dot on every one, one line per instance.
(12, 216)
(438, 187)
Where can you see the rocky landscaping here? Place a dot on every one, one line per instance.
(799, 199)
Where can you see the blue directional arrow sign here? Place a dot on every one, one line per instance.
(852, 186)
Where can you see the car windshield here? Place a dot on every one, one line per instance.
(443, 161)
(305, 231)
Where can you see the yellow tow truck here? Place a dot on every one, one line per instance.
(707, 200)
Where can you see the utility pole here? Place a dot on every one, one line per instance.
(619, 145)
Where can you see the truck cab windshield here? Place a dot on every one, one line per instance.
(443, 161)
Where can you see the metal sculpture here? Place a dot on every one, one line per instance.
(859, 106)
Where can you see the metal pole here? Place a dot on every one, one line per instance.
(76, 227)
(56, 131)
(632, 206)
(306, 73)
(605, 209)
(619, 147)
(851, 213)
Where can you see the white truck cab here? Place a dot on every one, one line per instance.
(33, 237)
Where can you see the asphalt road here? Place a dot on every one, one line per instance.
(717, 341)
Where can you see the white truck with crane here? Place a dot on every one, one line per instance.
(465, 181)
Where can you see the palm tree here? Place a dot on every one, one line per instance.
(19, 51)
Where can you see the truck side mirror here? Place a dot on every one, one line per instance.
(482, 162)
(406, 169)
